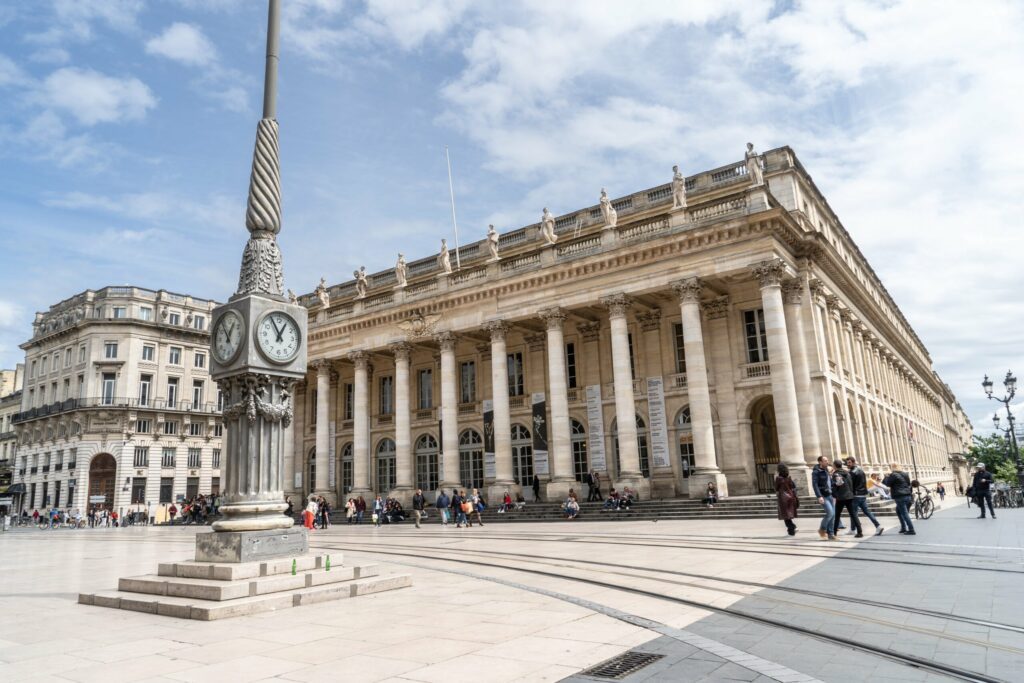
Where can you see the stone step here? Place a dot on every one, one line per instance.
(227, 571)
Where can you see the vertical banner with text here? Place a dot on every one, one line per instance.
(331, 464)
(490, 468)
(595, 427)
(659, 425)
(540, 433)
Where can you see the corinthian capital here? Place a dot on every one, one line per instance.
(401, 351)
(716, 308)
(321, 365)
(360, 359)
(769, 273)
(688, 290)
(497, 328)
(554, 317)
(446, 340)
(617, 304)
(793, 291)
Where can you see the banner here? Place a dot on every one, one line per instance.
(490, 466)
(298, 481)
(660, 454)
(595, 423)
(331, 447)
(540, 433)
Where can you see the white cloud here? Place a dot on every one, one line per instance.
(92, 97)
(218, 212)
(73, 19)
(183, 43)
(11, 73)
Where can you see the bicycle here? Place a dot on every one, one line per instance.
(924, 507)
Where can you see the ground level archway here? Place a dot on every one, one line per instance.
(765, 436)
(102, 480)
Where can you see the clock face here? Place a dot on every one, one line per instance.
(277, 336)
(227, 337)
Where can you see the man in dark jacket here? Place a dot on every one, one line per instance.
(982, 486)
(822, 483)
(859, 481)
(442, 504)
(898, 482)
(842, 491)
(418, 501)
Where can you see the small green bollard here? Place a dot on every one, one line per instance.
(294, 566)
(328, 563)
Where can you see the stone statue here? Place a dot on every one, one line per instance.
(292, 298)
(361, 284)
(547, 227)
(611, 216)
(444, 261)
(754, 166)
(492, 243)
(678, 189)
(401, 271)
(322, 295)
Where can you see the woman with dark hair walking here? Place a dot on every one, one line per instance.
(785, 490)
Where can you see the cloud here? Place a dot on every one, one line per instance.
(73, 20)
(217, 211)
(92, 97)
(183, 43)
(10, 73)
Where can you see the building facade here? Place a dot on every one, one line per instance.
(10, 405)
(118, 408)
(700, 331)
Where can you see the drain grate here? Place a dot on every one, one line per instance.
(619, 667)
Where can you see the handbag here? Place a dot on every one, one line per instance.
(467, 507)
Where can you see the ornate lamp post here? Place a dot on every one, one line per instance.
(1010, 382)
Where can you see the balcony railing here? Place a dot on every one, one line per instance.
(516, 402)
(385, 419)
(755, 370)
(425, 414)
(469, 408)
(573, 394)
(113, 402)
(639, 392)
(677, 381)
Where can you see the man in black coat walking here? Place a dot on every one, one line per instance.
(982, 486)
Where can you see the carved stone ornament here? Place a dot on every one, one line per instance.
(769, 273)
(446, 340)
(716, 308)
(492, 243)
(261, 270)
(608, 212)
(361, 359)
(535, 342)
(649, 320)
(547, 227)
(401, 272)
(497, 329)
(322, 295)
(361, 283)
(618, 304)
(292, 299)
(444, 259)
(253, 388)
(420, 325)
(401, 351)
(554, 317)
(321, 365)
(754, 171)
(793, 291)
(688, 290)
(817, 288)
(678, 189)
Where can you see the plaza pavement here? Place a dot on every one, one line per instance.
(471, 615)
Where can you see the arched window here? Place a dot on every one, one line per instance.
(580, 463)
(426, 463)
(471, 459)
(641, 446)
(684, 437)
(522, 455)
(385, 466)
(347, 477)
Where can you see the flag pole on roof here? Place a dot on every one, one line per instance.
(455, 223)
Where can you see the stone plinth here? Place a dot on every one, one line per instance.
(250, 546)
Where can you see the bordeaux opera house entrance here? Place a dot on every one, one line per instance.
(102, 475)
(765, 436)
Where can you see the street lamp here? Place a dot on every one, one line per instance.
(1010, 382)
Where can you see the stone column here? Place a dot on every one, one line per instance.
(562, 478)
(793, 291)
(361, 426)
(737, 461)
(625, 408)
(404, 466)
(449, 411)
(705, 459)
(502, 418)
(323, 419)
(787, 413)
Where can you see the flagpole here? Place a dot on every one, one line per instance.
(451, 192)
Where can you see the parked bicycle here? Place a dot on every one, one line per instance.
(924, 507)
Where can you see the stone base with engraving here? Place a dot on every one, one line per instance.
(251, 546)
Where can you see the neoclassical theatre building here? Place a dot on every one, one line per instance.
(699, 331)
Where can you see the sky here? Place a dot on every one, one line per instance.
(127, 126)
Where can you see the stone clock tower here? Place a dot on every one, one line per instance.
(258, 352)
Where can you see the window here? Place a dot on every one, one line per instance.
(166, 490)
(471, 458)
(66, 394)
(347, 473)
(145, 313)
(56, 494)
(684, 433)
(197, 394)
(110, 349)
(195, 428)
(45, 364)
(348, 403)
(570, 365)
(171, 427)
(195, 458)
(522, 456)
(426, 463)
(56, 361)
(515, 374)
(174, 319)
(32, 370)
(167, 458)
(387, 395)
(174, 355)
(72, 458)
(200, 322)
(191, 487)
(425, 387)
(81, 386)
(757, 341)
(172, 392)
(60, 461)
(199, 359)
(120, 312)
(149, 352)
(145, 389)
(580, 464)
(214, 486)
(67, 357)
(385, 466)
(109, 387)
(632, 357)
(218, 430)
(220, 400)
(142, 426)
(138, 490)
(81, 353)
(141, 456)
(216, 459)
(677, 335)
(641, 443)
(467, 383)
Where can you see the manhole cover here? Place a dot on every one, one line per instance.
(619, 667)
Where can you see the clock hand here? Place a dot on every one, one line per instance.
(278, 330)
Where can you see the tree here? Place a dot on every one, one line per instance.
(1006, 471)
(991, 450)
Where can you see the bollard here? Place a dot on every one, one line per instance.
(294, 565)
(328, 563)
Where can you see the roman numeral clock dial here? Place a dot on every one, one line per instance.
(278, 337)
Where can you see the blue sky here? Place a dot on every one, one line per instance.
(126, 132)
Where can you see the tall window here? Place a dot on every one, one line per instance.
(67, 357)
(141, 456)
(385, 466)
(145, 313)
(580, 464)
(467, 382)
(684, 435)
(200, 322)
(109, 387)
(138, 490)
(46, 362)
(471, 458)
(387, 395)
(81, 386)
(197, 394)
(166, 489)
(522, 455)
(81, 353)
(172, 392)
(677, 335)
(174, 355)
(148, 352)
(120, 312)
(632, 357)
(195, 458)
(757, 341)
(174, 319)
(515, 374)
(145, 389)
(199, 359)
(66, 393)
(425, 389)
(348, 402)
(110, 349)
(347, 473)
(641, 443)
(167, 457)
(426, 463)
(570, 365)
(215, 464)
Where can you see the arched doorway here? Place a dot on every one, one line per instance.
(347, 473)
(471, 459)
(765, 436)
(522, 456)
(578, 441)
(385, 466)
(684, 439)
(102, 478)
(641, 445)
(426, 463)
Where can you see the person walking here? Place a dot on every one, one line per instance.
(596, 491)
(859, 482)
(418, 501)
(288, 511)
(378, 510)
(457, 510)
(172, 511)
(478, 506)
(785, 492)
(982, 486)
(842, 491)
(821, 481)
(360, 509)
(536, 488)
(941, 491)
(898, 482)
(350, 511)
(443, 503)
(309, 514)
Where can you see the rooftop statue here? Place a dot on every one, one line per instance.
(322, 295)
(492, 243)
(401, 272)
(754, 166)
(444, 260)
(608, 212)
(678, 189)
(547, 227)
(360, 276)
